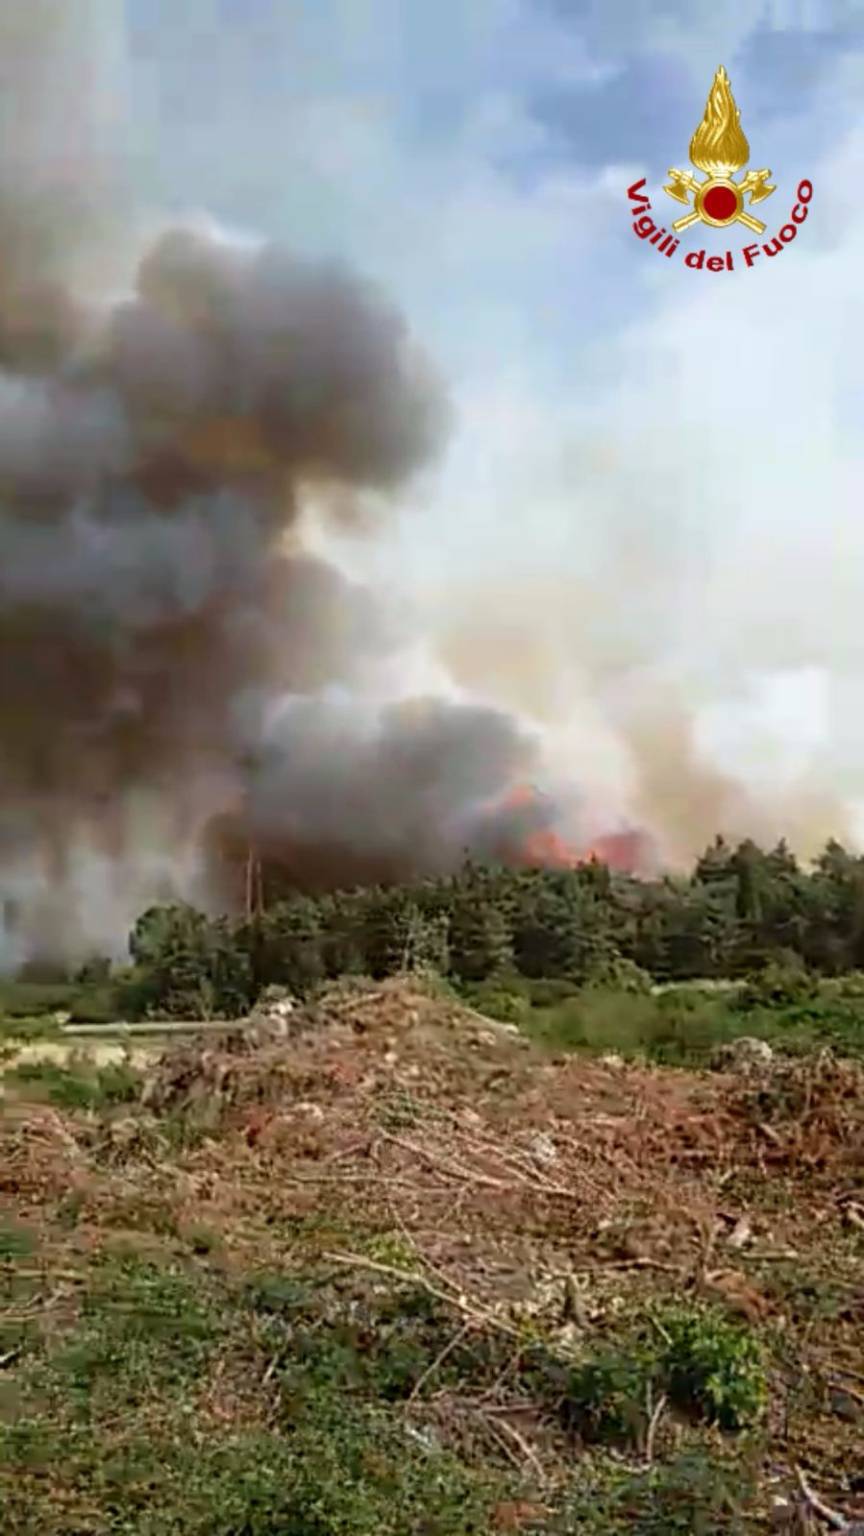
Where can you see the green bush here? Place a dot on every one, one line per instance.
(708, 1367)
(784, 981)
(713, 1368)
(505, 1000)
(79, 1085)
(606, 1397)
(698, 1493)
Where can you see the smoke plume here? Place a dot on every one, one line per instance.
(179, 675)
(187, 680)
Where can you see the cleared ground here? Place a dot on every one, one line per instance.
(403, 1272)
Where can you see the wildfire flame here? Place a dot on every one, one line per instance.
(718, 146)
(546, 848)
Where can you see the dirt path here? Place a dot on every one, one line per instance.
(101, 1053)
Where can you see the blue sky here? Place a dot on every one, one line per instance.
(652, 499)
(471, 154)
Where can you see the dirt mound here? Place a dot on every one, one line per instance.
(356, 1035)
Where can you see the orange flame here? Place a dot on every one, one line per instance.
(548, 849)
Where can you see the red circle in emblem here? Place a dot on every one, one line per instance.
(720, 203)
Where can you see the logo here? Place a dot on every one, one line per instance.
(719, 149)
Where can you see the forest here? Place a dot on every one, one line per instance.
(741, 913)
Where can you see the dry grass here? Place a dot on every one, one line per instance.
(396, 1140)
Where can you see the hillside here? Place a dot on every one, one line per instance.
(383, 1266)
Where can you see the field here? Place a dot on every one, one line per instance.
(408, 1270)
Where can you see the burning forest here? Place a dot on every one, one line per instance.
(181, 678)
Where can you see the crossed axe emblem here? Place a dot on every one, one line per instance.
(723, 194)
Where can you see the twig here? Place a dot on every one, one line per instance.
(409, 1277)
(639, 1263)
(837, 1521)
(516, 1161)
(439, 1360)
(454, 1170)
(852, 1375)
(495, 1432)
(11, 1272)
(772, 1255)
(519, 1178)
(411, 1240)
(270, 1369)
(509, 1368)
(527, 1450)
(653, 1425)
(369, 1177)
(849, 1391)
(769, 1132)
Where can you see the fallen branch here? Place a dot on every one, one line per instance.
(370, 1176)
(837, 1521)
(653, 1425)
(12, 1272)
(527, 1450)
(454, 1170)
(412, 1277)
(637, 1263)
(439, 1360)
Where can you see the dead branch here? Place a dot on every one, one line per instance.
(410, 1277)
(527, 1450)
(833, 1517)
(439, 1360)
(653, 1425)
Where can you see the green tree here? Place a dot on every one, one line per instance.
(481, 944)
(188, 965)
(560, 928)
(286, 946)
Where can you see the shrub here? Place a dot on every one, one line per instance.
(78, 1085)
(713, 1368)
(783, 981)
(708, 1367)
(697, 1493)
(605, 1397)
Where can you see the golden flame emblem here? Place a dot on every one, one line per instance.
(719, 148)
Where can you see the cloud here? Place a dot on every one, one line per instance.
(680, 531)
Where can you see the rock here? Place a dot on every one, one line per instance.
(276, 1000)
(741, 1234)
(312, 1111)
(543, 1148)
(273, 1016)
(844, 1405)
(273, 1012)
(612, 1059)
(470, 1117)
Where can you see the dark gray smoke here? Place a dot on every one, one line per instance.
(402, 784)
(171, 660)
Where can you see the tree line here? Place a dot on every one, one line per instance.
(740, 910)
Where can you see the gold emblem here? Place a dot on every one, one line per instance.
(719, 148)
